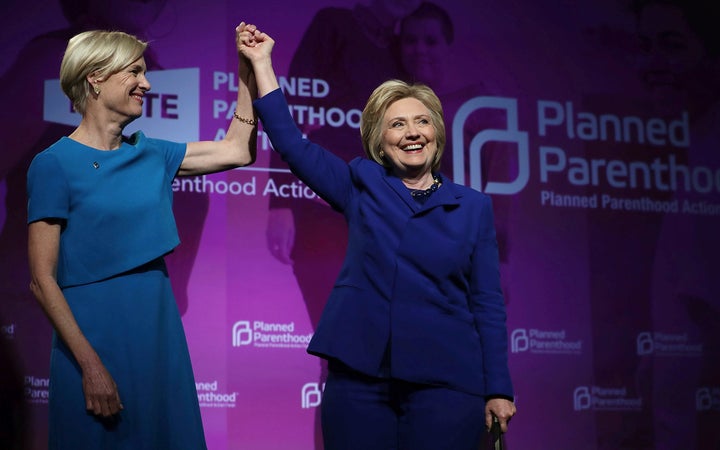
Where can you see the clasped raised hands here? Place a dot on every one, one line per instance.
(256, 47)
(252, 43)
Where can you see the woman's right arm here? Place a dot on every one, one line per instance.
(101, 394)
(325, 173)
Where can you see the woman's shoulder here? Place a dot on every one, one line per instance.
(466, 192)
(140, 141)
(137, 140)
(364, 167)
(60, 149)
(49, 162)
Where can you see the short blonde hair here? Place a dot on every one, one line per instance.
(101, 52)
(371, 129)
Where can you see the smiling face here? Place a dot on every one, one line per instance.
(92, 58)
(408, 138)
(122, 92)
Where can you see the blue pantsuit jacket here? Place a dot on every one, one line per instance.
(421, 281)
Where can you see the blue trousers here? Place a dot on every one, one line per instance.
(367, 413)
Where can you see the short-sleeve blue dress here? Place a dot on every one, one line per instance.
(116, 211)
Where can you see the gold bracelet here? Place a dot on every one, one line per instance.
(252, 122)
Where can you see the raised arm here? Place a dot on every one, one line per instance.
(239, 146)
(322, 171)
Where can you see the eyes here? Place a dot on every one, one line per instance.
(400, 124)
(136, 70)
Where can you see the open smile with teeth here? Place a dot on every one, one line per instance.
(412, 147)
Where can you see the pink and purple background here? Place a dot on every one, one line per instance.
(613, 308)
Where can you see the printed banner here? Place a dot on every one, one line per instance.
(593, 126)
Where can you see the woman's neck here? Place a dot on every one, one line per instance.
(98, 137)
(419, 182)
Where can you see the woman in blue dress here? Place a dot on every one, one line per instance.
(100, 221)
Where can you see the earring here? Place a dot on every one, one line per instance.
(382, 154)
(96, 88)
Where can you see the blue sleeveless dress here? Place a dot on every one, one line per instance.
(118, 224)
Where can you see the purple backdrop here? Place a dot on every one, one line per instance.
(593, 126)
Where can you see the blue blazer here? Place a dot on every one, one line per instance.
(420, 280)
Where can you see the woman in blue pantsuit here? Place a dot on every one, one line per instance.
(414, 329)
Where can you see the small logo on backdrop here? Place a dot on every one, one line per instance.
(241, 333)
(598, 398)
(543, 341)
(210, 397)
(667, 344)
(707, 398)
(311, 395)
(7, 331)
(37, 389)
(258, 333)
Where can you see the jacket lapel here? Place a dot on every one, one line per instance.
(448, 194)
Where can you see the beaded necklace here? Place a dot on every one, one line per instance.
(425, 193)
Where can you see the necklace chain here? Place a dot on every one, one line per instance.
(426, 192)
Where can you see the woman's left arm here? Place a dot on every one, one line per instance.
(239, 146)
(486, 301)
(488, 307)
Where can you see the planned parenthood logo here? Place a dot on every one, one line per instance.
(241, 333)
(511, 135)
(551, 156)
(210, 396)
(311, 394)
(36, 389)
(258, 333)
(667, 344)
(708, 399)
(543, 341)
(598, 398)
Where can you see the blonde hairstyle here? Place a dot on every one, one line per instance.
(100, 52)
(371, 121)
